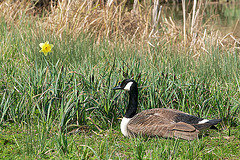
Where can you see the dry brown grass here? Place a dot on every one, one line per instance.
(12, 11)
(113, 20)
(116, 21)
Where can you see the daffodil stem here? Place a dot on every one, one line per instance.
(46, 61)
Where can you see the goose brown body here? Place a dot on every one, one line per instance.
(159, 121)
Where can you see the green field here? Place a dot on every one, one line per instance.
(62, 105)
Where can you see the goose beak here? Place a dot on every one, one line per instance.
(117, 88)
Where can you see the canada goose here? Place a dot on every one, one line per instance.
(159, 121)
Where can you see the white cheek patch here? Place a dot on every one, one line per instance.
(203, 121)
(124, 125)
(128, 86)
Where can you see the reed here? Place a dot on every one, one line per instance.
(120, 21)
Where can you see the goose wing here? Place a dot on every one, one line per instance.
(179, 116)
(156, 122)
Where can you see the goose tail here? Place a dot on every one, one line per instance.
(207, 124)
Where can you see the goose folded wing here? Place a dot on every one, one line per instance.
(155, 125)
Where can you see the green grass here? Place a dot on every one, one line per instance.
(26, 144)
(42, 99)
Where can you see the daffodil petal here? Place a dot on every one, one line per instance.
(41, 45)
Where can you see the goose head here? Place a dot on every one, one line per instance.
(131, 86)
(128, 85)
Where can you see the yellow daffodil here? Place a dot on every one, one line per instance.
(46, 47)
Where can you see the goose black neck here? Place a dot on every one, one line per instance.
(133, 103)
